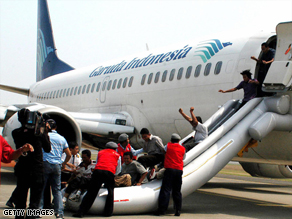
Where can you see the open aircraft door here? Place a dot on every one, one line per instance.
(279, 76)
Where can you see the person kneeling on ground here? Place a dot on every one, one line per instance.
(133, 173)
(81, 177)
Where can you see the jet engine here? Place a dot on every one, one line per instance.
(267, 170)
(66, 124)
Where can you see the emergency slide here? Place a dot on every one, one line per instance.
(230, 130)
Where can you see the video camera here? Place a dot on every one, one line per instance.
(35, 120)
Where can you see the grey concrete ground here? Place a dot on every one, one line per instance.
(225, 196)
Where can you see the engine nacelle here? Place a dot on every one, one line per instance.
(267, 170)
(66, 124)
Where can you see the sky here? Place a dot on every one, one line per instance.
(92, 31)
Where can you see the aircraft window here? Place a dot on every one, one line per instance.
(88, 88)
(150, 78)
(109, 85)
(180, 73)
(75, 90)
(218, 68)
(114, 84)
(198, 70)
(157, 77)
(92, 88)
(68, 90)
(71, 91)
(60, 95)
(51, 94)
(57, 94)
(98, 86)
(125, 82)
(119, 83)
(79, 90)
(143, 79)
(83, 89)
(131, 81)
(172, 73)
(54, 94)
(64, 92)
(104, 85)
(189, 71)
(164, 76)
(207, 69)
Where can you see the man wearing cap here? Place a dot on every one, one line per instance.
(108, 164)
(172, 180)
(249, 87)
(124, 146)
(53, 165)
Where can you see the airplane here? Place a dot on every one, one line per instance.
(99, 102)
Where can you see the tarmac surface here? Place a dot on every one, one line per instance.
(231, 194)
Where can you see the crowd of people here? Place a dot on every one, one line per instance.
(47, 163)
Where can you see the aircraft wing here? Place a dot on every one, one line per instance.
(22, 91)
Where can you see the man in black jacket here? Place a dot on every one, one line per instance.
(29, 168)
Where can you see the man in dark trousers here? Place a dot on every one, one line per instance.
(172, 180)
(248, 85)
(265, 62)
(154, 148)
(29, 169)
(107, 165)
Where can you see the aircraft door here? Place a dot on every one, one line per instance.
(279, 77)
(102, 94)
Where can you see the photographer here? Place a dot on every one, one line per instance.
(29, 168)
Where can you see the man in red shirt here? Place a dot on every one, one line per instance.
(124, 146)
(172, 180)
(7, 154)
(108, 163)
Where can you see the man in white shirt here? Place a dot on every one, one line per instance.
(81, 178)
(201, 129)
(72, 164)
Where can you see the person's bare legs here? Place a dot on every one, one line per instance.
(189, 119)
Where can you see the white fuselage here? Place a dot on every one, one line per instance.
(155, 104)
